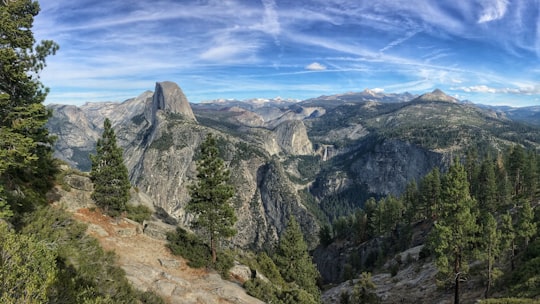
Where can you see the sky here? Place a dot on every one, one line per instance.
(484, 51)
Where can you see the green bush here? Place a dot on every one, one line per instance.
(138, 213)
(193, 249)
(224, 262)
(262, 290)
(85, 272)
(190, 247)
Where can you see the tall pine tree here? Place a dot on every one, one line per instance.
(293, 260)
(109, 174)
(25, 145)
(211, 195)
(453, 236)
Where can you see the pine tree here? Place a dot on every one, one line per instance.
(370, 207)
(211, 195)
(504, 187)
(508, 238)
(491, 247)
(109, 174)
(530, 176)
(516, 166)
(293, 260)
(25, 145)
(364, 291)
(526, 227)
(486, 189)
(412, 203)
(453, 236)
(430, 194)
(393, 213)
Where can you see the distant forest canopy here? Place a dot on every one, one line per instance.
(496, 182)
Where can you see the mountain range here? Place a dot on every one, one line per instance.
(315, 159)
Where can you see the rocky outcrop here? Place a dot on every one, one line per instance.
(293, 139)
(76, 134)
(391, 164)
(169, 98)
(280, 201)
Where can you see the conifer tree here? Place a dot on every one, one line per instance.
(516, 166)
(504, 187)
(491, 247)
(430, 193)
(508, 238)
(293, 260)
(411, 202)
(25, 145)
(486, 189)
(530, 176)
(454, 232)
(370, 207)
(211, 195)
(109, 174)
(526, 227)
(364, 291)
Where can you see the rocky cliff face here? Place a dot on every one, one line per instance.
(161, 137)
(391, 164)
(169, 98)
(293, 139)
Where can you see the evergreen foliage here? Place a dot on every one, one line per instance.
(364, 290)
(210, 197)
(490, 240)
(293, 260)
(85, 272)
(26, 166)
(526, 227)
(453, 235)
(109, 174)
(138, 213)
(27, 268)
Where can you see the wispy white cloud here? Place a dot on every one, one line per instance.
(315, 66)
(399, 41)
(208, 46)
(492, 10)
(528, 90)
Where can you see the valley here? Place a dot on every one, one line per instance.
(318, 160)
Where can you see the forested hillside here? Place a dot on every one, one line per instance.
(478, 219)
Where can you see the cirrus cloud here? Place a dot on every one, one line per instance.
(526, 90)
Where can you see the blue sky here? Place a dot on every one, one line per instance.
(486, 51)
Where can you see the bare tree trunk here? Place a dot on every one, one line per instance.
(457, 266)
(456, 289)
(213, 249)
(490, 266)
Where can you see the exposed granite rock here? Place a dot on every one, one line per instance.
(240, 273)
(157, 229)
(169, 98)
(75, 195)
(292, 138)
(388, 167)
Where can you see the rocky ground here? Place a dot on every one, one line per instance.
(415, 282)
(149, 265)
(142, 253)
